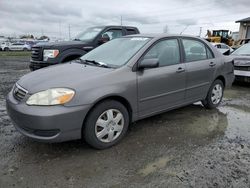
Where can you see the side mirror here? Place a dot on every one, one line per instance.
(103, 39)
(224, 51)
(149, 63)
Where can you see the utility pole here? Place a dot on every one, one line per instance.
(200, 31)
(69, 32)
(121, 20)
(60, 30)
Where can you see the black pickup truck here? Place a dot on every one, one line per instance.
(52, 53)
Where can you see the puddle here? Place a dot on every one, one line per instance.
(154, 166)
(238, 122)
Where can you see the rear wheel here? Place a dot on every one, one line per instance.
(215, 95)
(106, 124)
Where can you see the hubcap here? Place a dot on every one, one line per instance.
(217, 93)
(109, 125)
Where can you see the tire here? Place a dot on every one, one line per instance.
(111, 124)
(25, 49)
(6, 49)
(214, 96)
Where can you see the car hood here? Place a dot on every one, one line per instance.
(63, 44)
(70, 75)
(241, 60)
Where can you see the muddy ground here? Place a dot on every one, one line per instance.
(188, 147)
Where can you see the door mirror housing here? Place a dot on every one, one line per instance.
(104, 39)
(149, 63)
(227, 52)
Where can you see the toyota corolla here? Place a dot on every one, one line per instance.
(97, 96)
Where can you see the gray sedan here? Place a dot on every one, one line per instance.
(242, 63)
(122, 81)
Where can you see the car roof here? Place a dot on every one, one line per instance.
(116, 26)
(161, 35)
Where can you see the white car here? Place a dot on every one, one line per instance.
(5, 46)
(223, 48)
(18, 46)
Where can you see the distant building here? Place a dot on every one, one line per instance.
(244, 31)
(235, 36)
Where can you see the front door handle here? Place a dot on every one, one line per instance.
(212, 64)
(180, 69)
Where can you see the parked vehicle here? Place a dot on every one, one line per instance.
(223, 48)
(242, 63)
(30, 43)
(122, 81)
(44, 55)
(220, 36)
(5, 46)
(239, 43)
(19, 46)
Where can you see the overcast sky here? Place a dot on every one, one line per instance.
(53, 17)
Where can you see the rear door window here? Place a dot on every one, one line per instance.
(195, 50)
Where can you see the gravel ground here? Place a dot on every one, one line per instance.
(188, 147)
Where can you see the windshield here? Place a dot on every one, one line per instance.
(243, 50)
(89, 34)
(117, 52)
(220, 34)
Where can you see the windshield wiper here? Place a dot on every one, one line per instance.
(93, 62)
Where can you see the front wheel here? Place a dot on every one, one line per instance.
(215, 95)
(106, 124)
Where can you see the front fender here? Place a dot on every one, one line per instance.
(115, 84)
(70, 52)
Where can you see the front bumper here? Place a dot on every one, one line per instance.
(242, 73)
(242, 76)
(35, 65)
(47, 123)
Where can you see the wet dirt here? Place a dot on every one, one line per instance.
(188, 147)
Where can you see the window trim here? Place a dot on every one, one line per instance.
(198, 40)
(105, 29)
(135, 67)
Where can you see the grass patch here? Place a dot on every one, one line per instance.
(14, 53)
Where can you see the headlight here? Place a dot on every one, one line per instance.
(49, 54)
(49, 97)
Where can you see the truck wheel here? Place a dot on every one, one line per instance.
(215, 95)
(25, 49)
(106, 124)
(6, 49)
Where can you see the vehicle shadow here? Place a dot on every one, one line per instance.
(191, 125)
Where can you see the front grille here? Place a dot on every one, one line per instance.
(36, 54)
(19, 93)
(242, 68)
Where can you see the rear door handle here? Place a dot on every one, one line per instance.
(180, 69)
(212, 64)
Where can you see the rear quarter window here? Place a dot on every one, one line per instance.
(131, 31)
